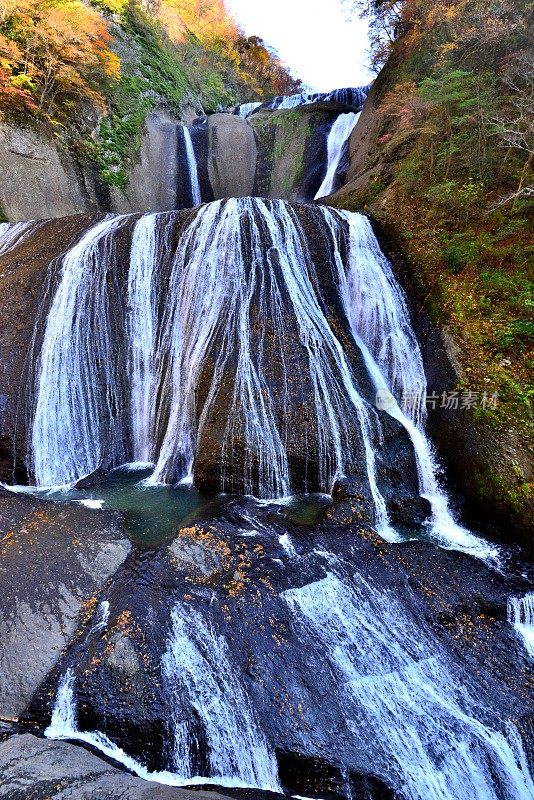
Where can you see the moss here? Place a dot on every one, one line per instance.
(290, 135)
(512, 491)
(283, 135)
(155, 76)
(364, 197)
(3, 217)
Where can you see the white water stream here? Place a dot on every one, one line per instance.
(336, 147)
(521, 615)
(192, 168)
(401, 697)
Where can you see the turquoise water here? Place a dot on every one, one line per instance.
(151, 513)
(155, 513)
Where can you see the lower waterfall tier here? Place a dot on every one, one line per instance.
(248, 650)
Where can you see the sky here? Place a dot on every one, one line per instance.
(314, 38)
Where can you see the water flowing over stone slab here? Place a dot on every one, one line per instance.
(215, 344)
(29, 765)
(345, 99)
(250, 646)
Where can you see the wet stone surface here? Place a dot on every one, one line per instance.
(229, 581)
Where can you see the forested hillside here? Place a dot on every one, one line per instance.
(92, 71)
(443, 160)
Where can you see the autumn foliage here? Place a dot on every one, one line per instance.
(56, 54)
(53, 53)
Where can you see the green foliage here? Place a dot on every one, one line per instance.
(120, 134)
(110, 6)
(157, 61)
(3, 217)
(214, 92)
(156, 75)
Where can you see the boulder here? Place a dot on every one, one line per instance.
(41, 769)
(353, 501)
(153, 179)
(54, 558)
(232, 156)
(96, 478)
(39, 177)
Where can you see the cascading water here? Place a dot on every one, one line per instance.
(380, 323)
(149, 247)
(336, 148)
(192, 169)
(76, 420)
(197, 663)
(403, 698)
(12, 234)
(64, 725)
(353, 97)
(212, 284)
(521, 616)
(198, 303)
(246, 109)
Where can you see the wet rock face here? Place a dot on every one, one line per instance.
(291, 152)
(353, 501)
(39, 768)
(315, 777)
(231, 577)
(53, 559)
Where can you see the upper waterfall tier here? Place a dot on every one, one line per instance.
(349, 99)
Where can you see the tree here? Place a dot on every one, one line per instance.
(514, 122)
(388, 20)
(54, 54)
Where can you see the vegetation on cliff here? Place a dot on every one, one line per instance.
(69, 62)
(449, 171)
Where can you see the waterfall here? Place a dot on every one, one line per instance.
(197, 662)
(521, 615)
(76, 421)
(404, 699)
(192, 170)
(12, 234)
(287, 544)
(353, 97)
(211, 285)
(197, 666)
(210, 297)
(336, 147)
(380, 323)
(63, 723)
(118, 381)
(246, 109)
(149, 247)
